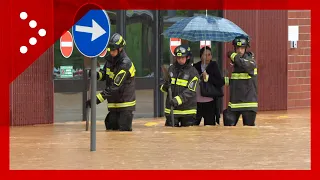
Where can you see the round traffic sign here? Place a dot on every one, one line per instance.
(66, 44)
(92, 32)
(174, 42)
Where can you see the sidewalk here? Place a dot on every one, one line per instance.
(281, 140)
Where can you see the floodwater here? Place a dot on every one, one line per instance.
(281, 140)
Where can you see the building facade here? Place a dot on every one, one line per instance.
(283, 72)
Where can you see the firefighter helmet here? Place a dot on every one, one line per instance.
(116, 42)
(181, 51)
(241, 41)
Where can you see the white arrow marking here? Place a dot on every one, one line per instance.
(96, 30)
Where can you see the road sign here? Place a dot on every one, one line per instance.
(174, 42)
(66, 71)
(205, 43)
(91, 36)
(91, 33)
(103, 53)
(66, 44)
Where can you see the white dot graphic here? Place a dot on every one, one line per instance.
(42, 32)
(33, 24)
(33, 41)
(23, 15)
(23, 49)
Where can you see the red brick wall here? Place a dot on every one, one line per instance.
(269, 36)
(299, 61)
(31, 94)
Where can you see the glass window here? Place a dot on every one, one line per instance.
(139, 38)
(172, 16)
(75, 62)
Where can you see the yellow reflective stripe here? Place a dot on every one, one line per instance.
(240, 76)
(109, 73)
(132, 70)
(119, 73)
(173, 80)
(243, 75)
(243, 105)
(118, 42)
(121, 105)
(226, 81)
(100, 75)
(181, 112)
(232, 56)
(179, 100)
(179, 82)
(182, 82)
(99, 96)
(195, 81)
(161, 88)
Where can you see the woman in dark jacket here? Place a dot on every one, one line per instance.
(207, 107)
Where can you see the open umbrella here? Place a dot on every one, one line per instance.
(199, 28)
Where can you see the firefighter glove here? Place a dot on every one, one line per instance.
(231, 55)
(107, 92)
(167, 84)
(98, 77)
(174, 102)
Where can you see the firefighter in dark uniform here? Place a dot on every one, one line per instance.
(183, 81)
(243, 85)
(119, 74)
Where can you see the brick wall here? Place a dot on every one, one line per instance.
(268, 32)
(299, 61)
(31, 100)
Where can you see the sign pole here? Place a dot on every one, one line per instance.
(93, 104)
(91, 39)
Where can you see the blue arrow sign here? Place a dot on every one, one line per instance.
(91, 33)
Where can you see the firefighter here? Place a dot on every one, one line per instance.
(243, 85)
(119, 74)
(183, 81)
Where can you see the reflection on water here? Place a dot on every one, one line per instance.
(281, 140)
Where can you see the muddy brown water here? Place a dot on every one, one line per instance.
(281, 140)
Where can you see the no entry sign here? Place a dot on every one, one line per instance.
(205, 43)
(66, 44)
(174, 42)
(103, 53)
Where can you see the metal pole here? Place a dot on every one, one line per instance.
(87, 108)
(93, 103)
(84, 95)
(156, 90)
(160, 55)
(121, 23)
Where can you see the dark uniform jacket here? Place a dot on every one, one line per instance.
(184, 81)
(213, 71)
(243, 83)
(119, 74)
